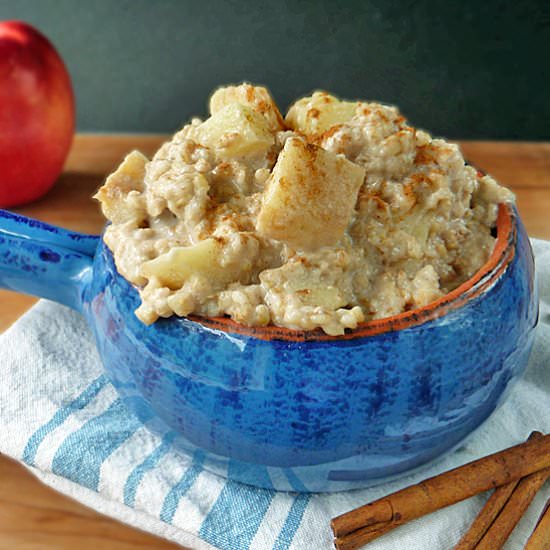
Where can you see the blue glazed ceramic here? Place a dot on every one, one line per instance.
(284, 409)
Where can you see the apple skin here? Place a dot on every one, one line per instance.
(37, 114)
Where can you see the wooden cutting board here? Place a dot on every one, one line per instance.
(32, 516)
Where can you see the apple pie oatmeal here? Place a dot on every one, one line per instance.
(339, 213)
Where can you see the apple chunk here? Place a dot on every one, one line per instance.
(318, 113)
(175, 267)
(255, 97)
(310, 196)
(236, 131)
(119, 196)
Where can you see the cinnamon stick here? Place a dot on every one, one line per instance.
(489, 512)
(540, 537)
(486, 516)
(442, 490)
(510, 515)
(363, 536)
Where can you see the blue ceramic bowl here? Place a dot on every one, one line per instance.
(280, 408)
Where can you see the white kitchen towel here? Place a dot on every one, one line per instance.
(60, 416)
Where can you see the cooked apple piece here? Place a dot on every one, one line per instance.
(491, 192)
(312, 287)
(175, 267)
(236, 131)
(255, 97)
(120, 196)
(310, 196)
(318, 113)
(329, 297)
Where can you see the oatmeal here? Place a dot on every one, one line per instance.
(338, 214)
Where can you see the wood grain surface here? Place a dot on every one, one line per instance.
(32, 516)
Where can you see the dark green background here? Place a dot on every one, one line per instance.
(460, 69)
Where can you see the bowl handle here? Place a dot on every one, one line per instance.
(43, 260)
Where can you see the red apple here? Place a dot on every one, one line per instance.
(36, 113)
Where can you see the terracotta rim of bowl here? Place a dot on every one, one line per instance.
(502, 255)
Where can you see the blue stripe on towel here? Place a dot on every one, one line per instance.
(29, 454)
(134, 479)
(237, 513)
(292, 522)
(294, 516)
(80, 456)
(170, 504)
